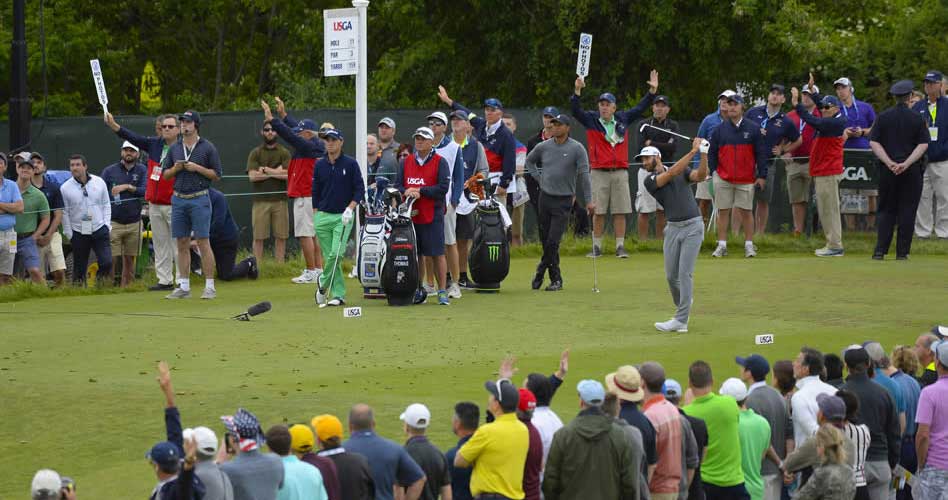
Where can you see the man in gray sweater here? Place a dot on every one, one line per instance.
(560, 163)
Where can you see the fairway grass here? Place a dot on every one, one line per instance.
(77, 373)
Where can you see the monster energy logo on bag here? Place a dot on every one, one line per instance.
(493, 252)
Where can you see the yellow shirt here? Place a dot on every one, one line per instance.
(498, 451)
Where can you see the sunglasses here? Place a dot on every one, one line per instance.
(435, 123)
(268, 130)
(84, 192)
(826, 107)
(168, 127)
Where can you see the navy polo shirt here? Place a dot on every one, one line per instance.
(127, 208)
(204, 154)
(223, 227)
(778, 127)
(51, 190)
(337, 184)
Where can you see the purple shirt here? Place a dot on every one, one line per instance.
(860, 114)
(933, 411)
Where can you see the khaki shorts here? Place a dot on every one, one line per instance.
(728, 196)
(303, 217)
(610, 190)
(271, 216)
(704, 190)
(450, 226)
(126, 239)
(52, 254)
(7, 242)
(645, 203)
(798, 182)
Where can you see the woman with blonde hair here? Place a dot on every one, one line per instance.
(834, 478)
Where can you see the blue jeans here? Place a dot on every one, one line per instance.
(191, 215)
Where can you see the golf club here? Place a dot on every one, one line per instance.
(332, 273)
(676, 134)
(595, 276)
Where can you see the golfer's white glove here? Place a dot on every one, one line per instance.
(704, 147)
(347, 216)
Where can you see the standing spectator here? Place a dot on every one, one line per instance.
(834, 370)
(877, 410)
(533, 466)
(693, 489)
(224, 238)
(125, 180)
(533, 185)
(807, 368)
(432, 462)
(565, 164)
(451, 152)
(158, 192)
(860, 118)
(543, 388)
(607, 139)
(497, 450)
(832, 412)
(87, 219)
(708, 124)
(832, 480)
(475, 161)
(48, 485)
(216, 484)
(879, 374)
(267, 166)
(194, 164)
(255, 475)
(591, 457)
(337, 190)
(426, 177)
(926, 358)
(610, 407)
(300, 480)
(784, 380)
(738, 159)
(798, 159)
(903, 364)
(464, 425)
(754, 433)
(721, 473)
(626, 382)
(392, 467)
(665, 481)
(932, 218)
(826, 167)
(899, 139)
(307, 149)
(645, 203)
(931, 441)
(388, 146)
(769, 404)
(516, 212)
(50, 242)
(11, 203)
(860, 437)
(352, 469)
(780, 136)
(31, 222)
(302, 443)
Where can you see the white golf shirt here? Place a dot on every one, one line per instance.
(86, 207)
(804, 407)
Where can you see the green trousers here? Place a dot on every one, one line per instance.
(332, 235)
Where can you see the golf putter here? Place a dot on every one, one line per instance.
(676, 134)
(595, 276)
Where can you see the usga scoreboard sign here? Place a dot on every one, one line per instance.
(340, 42)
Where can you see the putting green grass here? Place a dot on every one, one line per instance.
(77, 373)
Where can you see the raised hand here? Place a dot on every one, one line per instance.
(281, 108)
(443, 95)
(795, 94)
(164, 381)
(653, 81)
(267, 113)
(579, 85)
(507, 368)
(564, 357)
(110, 121)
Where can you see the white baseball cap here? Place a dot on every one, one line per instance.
(440, 116)
(808, 89)
(127, 144)
(46, 484)
(735, 388)
(844, 81)
(206, 440)
(416, 415)
(648, 151)
(727, 93)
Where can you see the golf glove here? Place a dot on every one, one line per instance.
(347, 216)
(704, 147)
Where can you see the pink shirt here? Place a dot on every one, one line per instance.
(664, 417)
(933, 411)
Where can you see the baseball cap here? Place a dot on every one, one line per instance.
(503, 390)
(551, 111)
(561, 118)
(607, 96)
(662, 98)
(591, 392)
(327, 426)
(244, 424)
(940, 331)
(843, 81)
(331, 134)
(440, 116)
(125, 144)
(206, 440)
(305, 124)
(874, 350)
(833, 407)
(416, 415)
(856, 356)
(24, 157)
(528, 402)
(778, 87)
(301, 438)
(3, 158)
(460, 115)
(672, 388)
(35, 154)
(808, 89)
(324, 127)
(47, 485)
(164, 453)
(756, 364)
(388, 122)
(902, 87)
(648, 151)
(933, 75)
(940, 349)
(423, 132)
(735, 388)
(493, 102)
(735, 97)
(190, 116)
(626, 382)
(830, 100)
(726, 94)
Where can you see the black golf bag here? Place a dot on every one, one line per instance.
(400, 277)
(489, 260)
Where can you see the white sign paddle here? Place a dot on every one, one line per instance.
(582, 59)
(99, 84)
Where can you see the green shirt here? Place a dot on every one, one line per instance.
(33, 201)
(754, 432)
(263, 157)
(722, 464)
(610, 127)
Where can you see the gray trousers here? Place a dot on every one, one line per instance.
(681, 247)
(879, 479)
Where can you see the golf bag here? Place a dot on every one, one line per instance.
(372, 244)
(400, 277)
(489, 259)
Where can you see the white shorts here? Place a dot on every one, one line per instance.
(450, 226)
(7, 243)
(52, 254)
(645, 203)
(303, 217)
(704, 190)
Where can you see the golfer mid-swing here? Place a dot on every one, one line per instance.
(685, 228)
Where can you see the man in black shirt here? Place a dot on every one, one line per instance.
(899, 139)
(438, 485)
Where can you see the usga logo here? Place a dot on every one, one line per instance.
(855, 174)
(342, 25)
(414, 181)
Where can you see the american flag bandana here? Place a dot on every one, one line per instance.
(247, 429)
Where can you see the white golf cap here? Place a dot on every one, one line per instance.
(388, 122)
(727, 93)
(416, 415)
(648, 151)
(46, 482)
(423, 132)
(206, 440)
(735, 388)
(440, 116)
(807, 89)
(127, 144)
(843, 81)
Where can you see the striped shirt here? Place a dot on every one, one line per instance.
(859, 434)
(204, 154)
